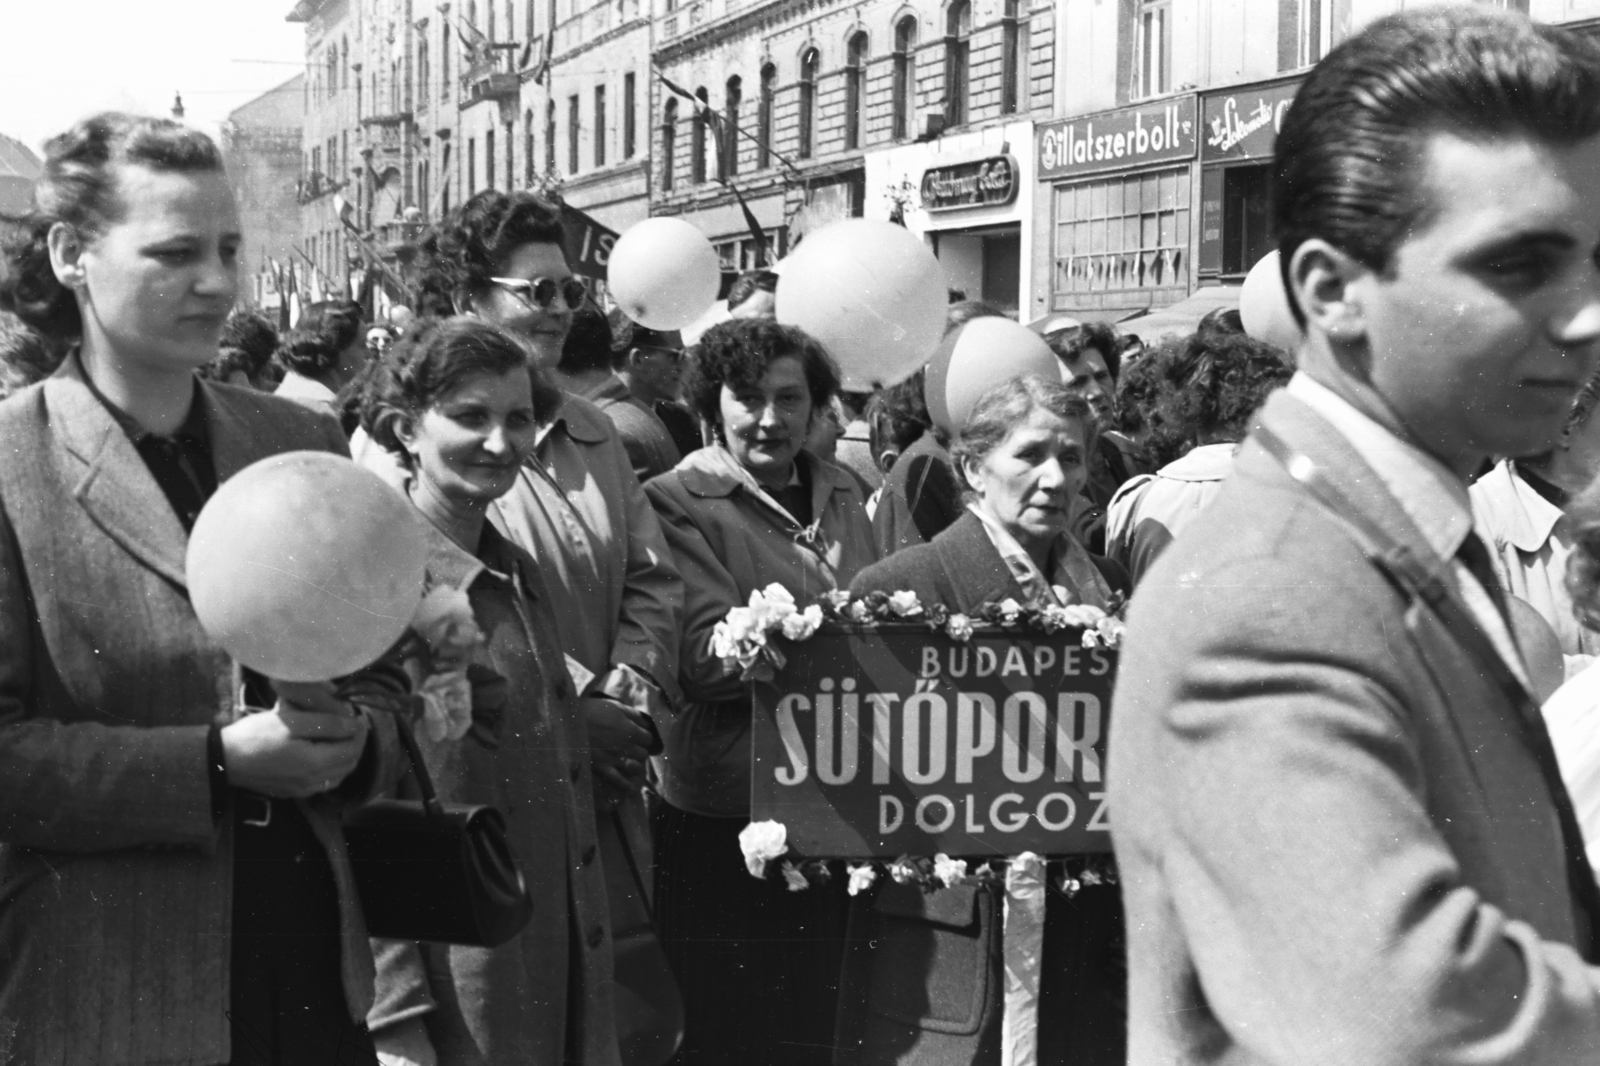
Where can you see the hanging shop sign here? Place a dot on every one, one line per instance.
(988, 182)
(898, 740)
(1116, 140)
(1244, 123)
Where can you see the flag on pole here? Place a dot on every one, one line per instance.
(345, 210)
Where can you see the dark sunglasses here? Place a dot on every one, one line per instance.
(541, 292)
(673, 354)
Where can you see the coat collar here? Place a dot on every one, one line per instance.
(1510, 510)
(973, 564)
(579, 419)
(712, 473)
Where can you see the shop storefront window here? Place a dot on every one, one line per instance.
(1128, 233)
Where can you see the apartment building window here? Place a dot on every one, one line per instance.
(599, 125)
(957, 52)
(490, 13)
(316, 166)
(444, 182)
(764, 107)
(629, 116)
(1305, 32)
(511, 156)
(423, 73)
(1153, 48)
(572, 134)
(333, 160)
(1013, 57)
(472, 166)
(528, 155)
(809, 65)
(395, 105)
(422, 188)
(333, 71)
(550, 138)
(533, 29)
(488, 159)
(444, 62)
(344, 63)
(669, 138)
(344, 153)
(728, 158)
(855, 88)
(903, 87)
(702, 124)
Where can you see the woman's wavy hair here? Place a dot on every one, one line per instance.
(434, 357)
(78, 187)
(1217, 381)
(471, 244)
(321, 337)
(1348, 161)
(1008, 405)
(737, 353)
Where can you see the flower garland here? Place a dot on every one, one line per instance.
(766, 843)
(743, 639)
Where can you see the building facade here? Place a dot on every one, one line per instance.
(261, 149)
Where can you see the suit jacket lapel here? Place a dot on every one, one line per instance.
(109, 479)
(974, 565)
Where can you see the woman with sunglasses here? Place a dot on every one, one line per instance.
(173, 882)
(577, 508)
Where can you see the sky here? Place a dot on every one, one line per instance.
(63, 59)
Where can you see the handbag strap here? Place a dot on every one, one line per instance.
(419, 768)
(1411, 574)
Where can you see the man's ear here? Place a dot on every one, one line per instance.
(1323, 279)
(66, 255)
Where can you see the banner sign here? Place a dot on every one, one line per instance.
(984, 183)
(587, 243)
(897, 740)
(1115, 140)
(1244, 123)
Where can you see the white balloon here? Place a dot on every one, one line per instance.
(1264, 306)
(872, 293)
(982, 354)
(663, 273)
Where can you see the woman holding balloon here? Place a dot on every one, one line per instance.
(455, 403)
(577, 508)
(759, 964)
(173, 886)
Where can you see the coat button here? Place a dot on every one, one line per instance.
(588, 855)
(596, 935)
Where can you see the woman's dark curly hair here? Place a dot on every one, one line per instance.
(737, 353)
(434, 357)
(1070, 344)
(1219, 379)
(321, 337)
(1583, 565)
(471, 244)
(78, 187)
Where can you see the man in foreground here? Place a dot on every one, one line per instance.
(1342, 835)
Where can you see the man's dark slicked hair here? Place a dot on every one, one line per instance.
(1348, 165)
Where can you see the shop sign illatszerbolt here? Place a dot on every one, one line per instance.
(898, 740)
(982, 183)
(1115, 140)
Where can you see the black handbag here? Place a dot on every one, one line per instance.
(427, 870)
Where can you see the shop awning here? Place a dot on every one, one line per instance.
(1181, 318)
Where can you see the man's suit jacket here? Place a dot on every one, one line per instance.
(115, 878)
(1335, 844)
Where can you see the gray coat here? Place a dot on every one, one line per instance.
(115, 880)
(1335, 845)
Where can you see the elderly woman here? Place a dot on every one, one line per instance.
(758, 964)
(456, 404)
(1022, 456)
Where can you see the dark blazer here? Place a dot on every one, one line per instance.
(115, 878)
(961, 569)
(1335, 845)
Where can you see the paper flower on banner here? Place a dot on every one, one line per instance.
(802, 624)
(905, 604)
(762, 842)
(793, 878)
(862, 877)
(959, 627)
(950, 872)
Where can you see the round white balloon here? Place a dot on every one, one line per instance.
(982, 354)
(872, 293)
(663, 273)
(1264, 306)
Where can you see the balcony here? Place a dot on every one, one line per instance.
(492, 77)
(699, 16)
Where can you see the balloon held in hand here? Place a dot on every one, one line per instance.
(663, 273)
(1264, 306)
(872, 293)
(306, 567)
